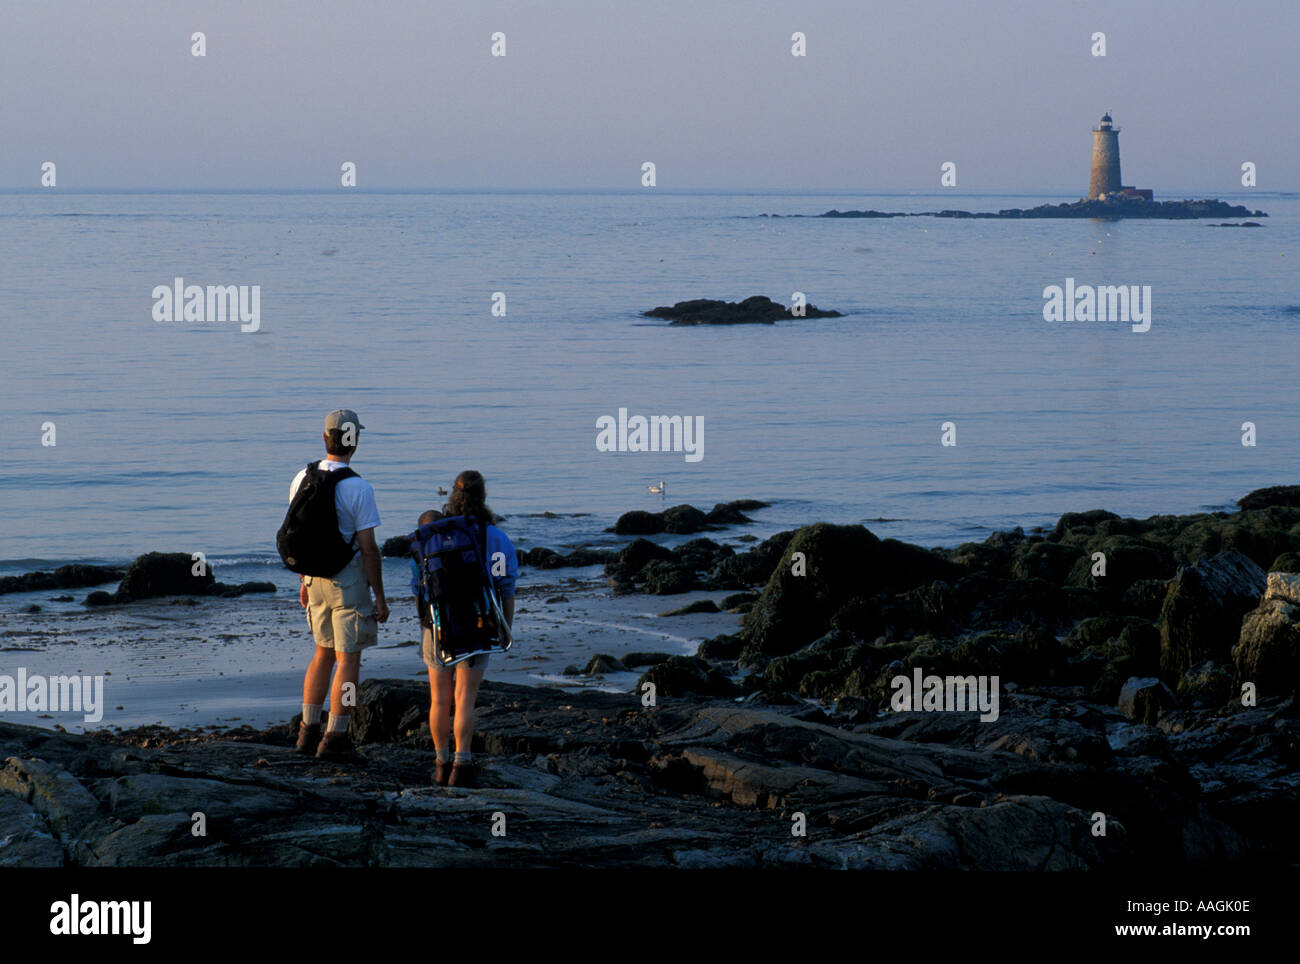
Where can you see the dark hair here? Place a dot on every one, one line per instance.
(429, 515)
(334, 443)
(469, 497)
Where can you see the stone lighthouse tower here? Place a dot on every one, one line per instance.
(1105, 159)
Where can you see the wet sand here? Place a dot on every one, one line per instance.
(233, 661)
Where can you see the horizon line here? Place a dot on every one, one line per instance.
(627, 192)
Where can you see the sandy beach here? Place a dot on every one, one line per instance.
(224, 662)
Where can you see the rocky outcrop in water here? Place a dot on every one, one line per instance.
(75, 576)
(757, 310)
(157, 574)
(686, 519)
(1112, 209)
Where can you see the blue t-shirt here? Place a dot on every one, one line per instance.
(497, 541)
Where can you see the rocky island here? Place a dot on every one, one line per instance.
(757, 310)
(1114, 208)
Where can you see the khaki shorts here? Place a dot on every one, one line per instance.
(431, 660)
(340, 611)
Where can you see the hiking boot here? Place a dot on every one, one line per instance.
(308, 738)
(441, 774)
(464, 775)
(337, 748)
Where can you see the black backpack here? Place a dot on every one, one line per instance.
(309, 540)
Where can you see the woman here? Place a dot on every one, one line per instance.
(457, 685)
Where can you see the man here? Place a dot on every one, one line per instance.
(339, 610)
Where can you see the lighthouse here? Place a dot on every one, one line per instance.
(1105, 159)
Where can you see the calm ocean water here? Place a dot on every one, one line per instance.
(184, 436)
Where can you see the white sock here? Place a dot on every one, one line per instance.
(338, 724)
(311, 713)
(442, 755)
(463, 756)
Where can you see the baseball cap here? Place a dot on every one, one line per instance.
(340, 417)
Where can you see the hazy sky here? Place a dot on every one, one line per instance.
(706, 89)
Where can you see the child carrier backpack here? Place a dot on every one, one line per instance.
(456, 586)
(309, 540)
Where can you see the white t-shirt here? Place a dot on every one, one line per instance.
(354, 500)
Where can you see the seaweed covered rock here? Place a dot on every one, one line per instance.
(701, 554)
(1262, 535)
(753, 567)
(1142, 699)
(733, 513)
(684, 520)
(667, 578)
(1268, 650)
(541, 557)
(1205, 686)
(1117, 562)
(165, 574)
(726, 646)
(1201, 617)
(1045, 560)
(74, 576)
(683, 675)
(639, 523)
(1286, 562)
(1283, 495)
(1086, 521)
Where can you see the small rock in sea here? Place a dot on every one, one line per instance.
(99, 598)
(396, 547)
(31, 608)
(639, 523)
(699, 606)
(558, 599)
(601, 664)
(163, 574)
(61, 599)
(74, 576)
(570, 670)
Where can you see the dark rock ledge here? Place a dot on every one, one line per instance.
(596, 780)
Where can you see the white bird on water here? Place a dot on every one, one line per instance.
(660, 489)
